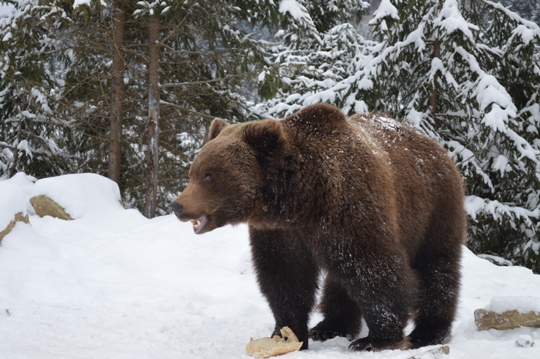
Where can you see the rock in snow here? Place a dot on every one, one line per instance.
(45, 206)
(509, 319)
(77, 194)
(18, 217)
(508, 313)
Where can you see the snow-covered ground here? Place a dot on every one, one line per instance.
(113, 284)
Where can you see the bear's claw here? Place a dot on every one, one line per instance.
(371, 344)
(322, 335)
(328, 329)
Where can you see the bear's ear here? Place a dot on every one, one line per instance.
(264, 135)
(218, 124)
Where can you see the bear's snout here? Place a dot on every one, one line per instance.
(176, 208)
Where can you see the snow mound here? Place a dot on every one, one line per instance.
(114, 284)
(523, 304)
(79, 194)
(23, 181)
(13, 202)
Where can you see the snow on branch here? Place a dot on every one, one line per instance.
(385, 9)
(523, 147)
(301, 20)
(296, 10)
(467, 158)
(513, 16)
(451, 20)
(475, 205)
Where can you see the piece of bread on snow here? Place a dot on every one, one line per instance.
(269, 347)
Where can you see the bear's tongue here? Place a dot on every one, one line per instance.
(199, 224)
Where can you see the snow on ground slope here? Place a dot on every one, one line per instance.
(113, 284)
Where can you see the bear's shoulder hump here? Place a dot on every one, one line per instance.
(317, 116)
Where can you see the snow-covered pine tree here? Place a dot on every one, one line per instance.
(316, 62)
(465, 73)
(468, 77)
(513, 230)
(207, 54)
(30, 133)
(208, 51)
(90, 97)
(527, 9)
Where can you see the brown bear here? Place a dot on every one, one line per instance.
(368, 200)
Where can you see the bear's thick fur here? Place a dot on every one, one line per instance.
(369, 201)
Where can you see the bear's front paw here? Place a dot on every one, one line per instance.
(321, 335)
(328, 330)
(300, 335)
(374, 344)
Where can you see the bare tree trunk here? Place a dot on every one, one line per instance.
(115, 140)
(14, 162)
(153, 118)
(435, 89)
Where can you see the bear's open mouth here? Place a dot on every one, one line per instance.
(199, 224)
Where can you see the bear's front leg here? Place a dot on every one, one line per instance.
(386, 322)
(287, 276)
(342, 316)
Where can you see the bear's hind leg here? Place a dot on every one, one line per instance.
(384, 288)
(287, 276)
(439, 277)
(342, 316)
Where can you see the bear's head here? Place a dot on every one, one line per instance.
(227, 175)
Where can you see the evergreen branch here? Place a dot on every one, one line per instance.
(205, 117)
(193, 83)
(177, 27)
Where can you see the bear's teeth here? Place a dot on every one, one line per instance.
(199, 224)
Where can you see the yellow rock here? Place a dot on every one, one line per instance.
(486, 319)
(45, 206)
(19, 217)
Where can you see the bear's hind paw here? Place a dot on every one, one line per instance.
(372, 344)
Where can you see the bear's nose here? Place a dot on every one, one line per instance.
(176, 208)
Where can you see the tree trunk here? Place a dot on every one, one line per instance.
(434, 89)
(115, 140)
(13, 168)
(153, 118)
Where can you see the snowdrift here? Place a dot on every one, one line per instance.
(113, 284)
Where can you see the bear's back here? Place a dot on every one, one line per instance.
(425, 178)
(374, 160)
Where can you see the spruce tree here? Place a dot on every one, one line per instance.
(31, 134)
(207, 54)
(467, 75)
(205, 58)
(316, 62)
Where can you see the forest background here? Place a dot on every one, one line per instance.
(128, 88)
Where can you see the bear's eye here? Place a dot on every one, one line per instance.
(208, 176)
